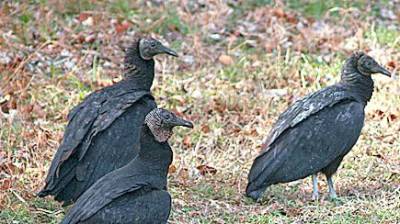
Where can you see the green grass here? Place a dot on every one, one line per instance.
(170, 21)
(122, 7)
(384, 36)
(233, 106)
(319, 8)
(37, 211)
(19, 216)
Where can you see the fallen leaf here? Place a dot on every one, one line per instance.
(9, 168)
(392, 117)
(219, 106)
(392, 64)
(187, 141)
(172, 27)
(122, 27)
(205, 169)
(183, 176)
(205, 128)
(225, 59)
(278, 12)
(5, 184)
(83, 16)
(291, 19)
(172, 169)
(253, 132)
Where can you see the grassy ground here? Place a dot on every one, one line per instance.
(242, 63)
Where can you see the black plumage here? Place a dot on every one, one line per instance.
(315, 133)
(135, 193)
(103, 131)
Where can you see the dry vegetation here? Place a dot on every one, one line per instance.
(242, 63)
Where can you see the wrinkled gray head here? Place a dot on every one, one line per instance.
(364, 64)
(161, 122)
(150, 47)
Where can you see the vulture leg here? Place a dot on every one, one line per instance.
(315, 194)
(332, 192)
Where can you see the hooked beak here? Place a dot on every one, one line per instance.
(181, 122)
(382, 70)
(166, 50)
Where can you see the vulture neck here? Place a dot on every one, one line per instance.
(139, 73)
(361, 85)
(155, 155)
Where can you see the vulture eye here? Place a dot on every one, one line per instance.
(153, 44)
(167, 116)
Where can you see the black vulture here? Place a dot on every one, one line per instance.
(136, 192)
(103, 131)
(315, 133)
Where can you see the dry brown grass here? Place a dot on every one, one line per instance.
(53, 54)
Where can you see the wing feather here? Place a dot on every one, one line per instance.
(105, 190)
(306, 107)
(94, 115)
(309, 147)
